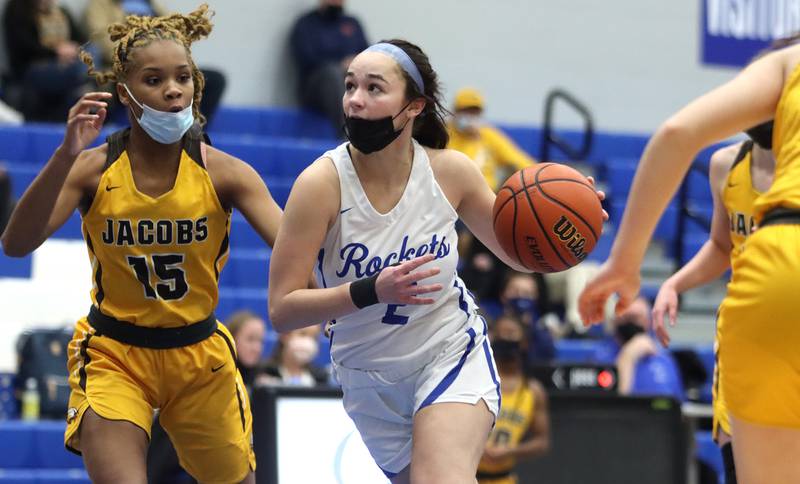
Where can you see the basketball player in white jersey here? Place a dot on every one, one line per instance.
(408, 347)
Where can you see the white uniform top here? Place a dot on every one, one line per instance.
(396, 338)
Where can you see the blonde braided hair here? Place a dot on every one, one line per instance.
(136, 31)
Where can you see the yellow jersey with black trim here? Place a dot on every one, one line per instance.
(785, 189)
(516, 414)
(156, 261)
(739, 197)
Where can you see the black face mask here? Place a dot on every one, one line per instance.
(371, 135)
(761, 135)
(627, 330)
(331, 11)
(506, 350)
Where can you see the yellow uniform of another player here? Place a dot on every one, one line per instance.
(759, 320)
(513, 422)
(151, 339)
(738, 197)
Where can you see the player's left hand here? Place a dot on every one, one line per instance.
(601, 195)
(666, 306)
(613, 278)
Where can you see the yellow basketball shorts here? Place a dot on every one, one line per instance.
(201, 396)
(760, 330)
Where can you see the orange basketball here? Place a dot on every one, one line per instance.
(547, 217)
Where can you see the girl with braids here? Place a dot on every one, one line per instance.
(372, 215)
(156, 202)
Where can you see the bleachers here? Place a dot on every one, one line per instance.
(33, 452)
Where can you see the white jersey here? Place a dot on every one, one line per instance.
(399, 338)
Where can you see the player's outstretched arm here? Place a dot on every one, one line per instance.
(57, 190)
(749, 99)
(713, 258)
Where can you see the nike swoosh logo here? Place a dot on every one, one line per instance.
(109, 188)
(214, 370)
(345, 210)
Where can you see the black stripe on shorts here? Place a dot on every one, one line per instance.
(86, 358)
(235, 387)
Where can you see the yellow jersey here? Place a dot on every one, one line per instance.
(739, 196)
(516, 414)
(156, 261)
(491, 150)
(785, 189)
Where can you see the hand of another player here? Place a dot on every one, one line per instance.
(398, 284)
(601, 195)
(85, 120)
(612, 278)
(666, 305)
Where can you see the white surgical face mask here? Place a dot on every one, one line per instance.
(466, 122)
(164, 126)
(303, 349)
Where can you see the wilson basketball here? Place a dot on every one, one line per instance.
(547, 217)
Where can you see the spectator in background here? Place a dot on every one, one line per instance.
(522, 429)
(642, 367)
(99, 14)
(494, 152)
(323, 42)
(248, 332)
(497, 157)
(520, 298)
(43, 43)
(291, 361)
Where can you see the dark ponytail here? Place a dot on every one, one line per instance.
(429, 127)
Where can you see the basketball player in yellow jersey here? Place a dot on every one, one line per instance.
(738, 174)
(156, 203)
(522, 428)
(759, 322)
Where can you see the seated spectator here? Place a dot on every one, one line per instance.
(522, 428)
(43, 45)
(494, 152)
(290, 363)
(99, 14)
(642, 367)
(520, 298)
(248, 332)
(323, 42)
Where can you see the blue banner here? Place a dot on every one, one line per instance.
(734, 31)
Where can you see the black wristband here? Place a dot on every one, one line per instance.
(363, 293)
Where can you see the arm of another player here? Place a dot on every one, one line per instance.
(538, 442)
(747, 100)
(311, 210)
(240, 186)
(713, 258)
(58, 188)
